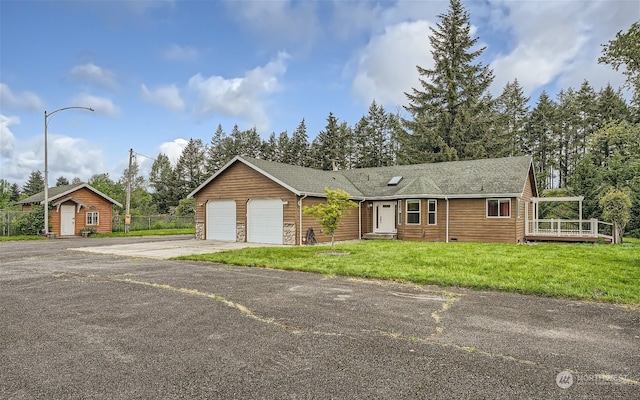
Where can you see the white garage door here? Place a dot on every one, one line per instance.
(221, 220)
(264, 221)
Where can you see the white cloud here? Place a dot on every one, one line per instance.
(24, 100)
(7, 139)
(173, 149)
(240, 97)
(279, 20)
(94, 74)
(176, 52)
(73, 157)
(100, 105)
(166, 96)
(386, 67)
(559, 41)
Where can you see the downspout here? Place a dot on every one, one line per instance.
(360, 218)
(447, 223)
(300, 212)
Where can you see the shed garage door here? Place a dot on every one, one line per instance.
(221, 220)
(264, 221)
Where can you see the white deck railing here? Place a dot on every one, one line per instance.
(569, 228)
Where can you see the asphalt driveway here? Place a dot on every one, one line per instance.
(100, 325)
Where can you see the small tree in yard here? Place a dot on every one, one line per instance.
(330, 214)
(616, 207)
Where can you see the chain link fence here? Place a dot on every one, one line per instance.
(149, 222)
(9, 218)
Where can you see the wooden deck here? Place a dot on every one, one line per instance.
(559, 230)
(574, 239)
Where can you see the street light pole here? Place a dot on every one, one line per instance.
(46, 165)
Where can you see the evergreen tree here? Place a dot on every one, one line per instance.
(76, 181)
(190, 170)
(512, 111)
(327, 149)
(539, 140)
(62, 181)
(299, 146)
(611, 106)
(282, 149)
(15, 192)
(35, 184)
(162, 179)
(450, 110)
(217, 153)
(270, 148)
(374, 138)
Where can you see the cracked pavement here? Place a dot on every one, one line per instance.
(90, 325)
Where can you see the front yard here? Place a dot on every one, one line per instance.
(581, 271)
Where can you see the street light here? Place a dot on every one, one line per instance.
(46, 168)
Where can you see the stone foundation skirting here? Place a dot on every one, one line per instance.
(200, 230)
(289, 233)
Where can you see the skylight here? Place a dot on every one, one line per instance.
(394, 181)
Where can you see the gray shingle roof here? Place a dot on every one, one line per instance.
(59, 191)
(475, 178)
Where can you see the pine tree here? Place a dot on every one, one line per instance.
(327, 149)
(512, 111)
(269, 149)
(217, 153)
(450, 110)
(190, 172)
(283, 154)
(35, 184)
(299, 146)
(163, 180)
(62, 181)
(539, 140)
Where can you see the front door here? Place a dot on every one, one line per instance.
(384, 217)
(67, 220)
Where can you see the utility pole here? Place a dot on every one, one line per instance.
(127, 212)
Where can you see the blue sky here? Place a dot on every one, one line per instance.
(160, 72)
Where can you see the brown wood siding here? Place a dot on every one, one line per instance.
(241, 183)
(349, 226)
(424, 231)
(527, 194)
(468, 222)
(93, 203)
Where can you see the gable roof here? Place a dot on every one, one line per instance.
(58, 192)
(504, 177)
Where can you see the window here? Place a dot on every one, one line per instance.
(499, 208)
(433, 206)
(92, 218)
(399, 212)
(413, 212)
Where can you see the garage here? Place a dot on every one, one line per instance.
(264, 221)
(221, 220)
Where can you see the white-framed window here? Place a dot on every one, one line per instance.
(399, 212)
(432, 211)
(413, 212)
(93, 218)
(498, 208)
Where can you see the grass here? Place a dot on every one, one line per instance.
(21, 237)
(580, 271)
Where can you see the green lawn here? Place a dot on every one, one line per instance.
(151, 232)
(580, 271)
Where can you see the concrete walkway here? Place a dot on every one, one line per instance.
(167, 249)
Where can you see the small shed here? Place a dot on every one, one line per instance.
(75, 209)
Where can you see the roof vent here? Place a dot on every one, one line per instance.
(394, 181)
